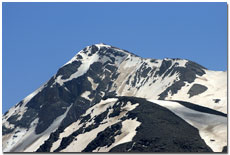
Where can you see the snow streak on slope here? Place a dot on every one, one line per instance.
(20, 108)
(20, 134)
(128, 131)
(10, 140)
(86, 62)
(28, 140)
(68, 131)
(40, 138)
(212, 128)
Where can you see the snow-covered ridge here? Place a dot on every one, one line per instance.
(102, 45)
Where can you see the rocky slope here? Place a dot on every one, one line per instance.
(181, 104)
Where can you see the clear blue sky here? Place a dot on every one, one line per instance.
(38, 38)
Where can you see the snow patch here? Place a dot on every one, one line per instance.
(8, 125)
(10, 141)
(86, 95)
(100, 107)
(128, 131)
(134, 61)
(28, 140)
(182, 63)
(84, 67)
(94, 85)
(73, 59)
(67, 132)
(100, 45)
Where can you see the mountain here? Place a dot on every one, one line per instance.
(106, 99)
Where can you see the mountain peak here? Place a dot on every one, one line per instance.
(137, 91)
(102, 45)
(100, 49)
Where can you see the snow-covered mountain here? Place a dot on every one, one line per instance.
(107, 99)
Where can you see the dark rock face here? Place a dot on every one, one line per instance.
(104, 138)
(164, 66)
(67, 70)
(6, 130)
(50, 102)
(196, 89)
(216, 100)
(46, 146)
(225, 149)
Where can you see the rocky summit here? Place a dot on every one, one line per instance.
(106, 99)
